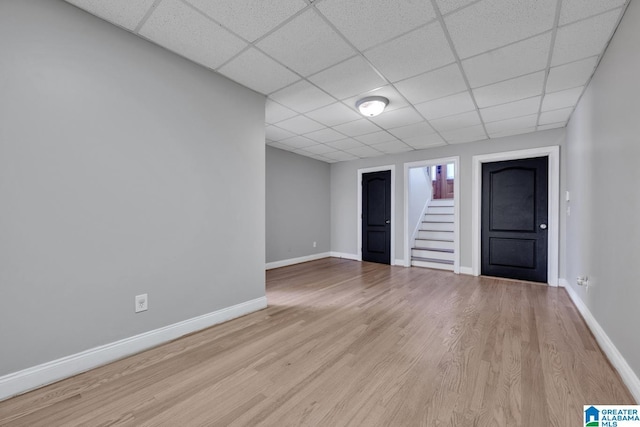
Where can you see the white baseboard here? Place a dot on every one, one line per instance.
(49, 372)
(353, 257)
(615, 357)
(399, 262)
(466, 270)
(292, 261)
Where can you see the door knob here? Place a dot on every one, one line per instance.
(543, 226)
(387, 222)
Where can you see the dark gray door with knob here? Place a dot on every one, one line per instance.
(376, 217)
(514, 219)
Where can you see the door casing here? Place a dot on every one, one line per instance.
(456, 197)
(553, 152)
(391, 168)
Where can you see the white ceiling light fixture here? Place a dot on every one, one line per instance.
(371, 106)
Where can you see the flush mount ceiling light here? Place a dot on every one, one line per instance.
(372, 105)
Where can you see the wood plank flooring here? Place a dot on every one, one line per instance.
(345, 343)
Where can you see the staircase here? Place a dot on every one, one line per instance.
(434, 244)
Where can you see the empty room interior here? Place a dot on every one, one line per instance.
(318, 212)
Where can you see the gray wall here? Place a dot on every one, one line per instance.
(124, 169)
(298, 205)
(344, 191)
(603, 230)
(420, 192)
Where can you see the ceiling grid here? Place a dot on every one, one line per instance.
(454, 71)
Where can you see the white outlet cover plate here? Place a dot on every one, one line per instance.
(142, 303)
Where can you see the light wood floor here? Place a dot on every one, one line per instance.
(360, 344)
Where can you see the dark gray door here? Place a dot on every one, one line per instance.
(376, 217)
(514, 219)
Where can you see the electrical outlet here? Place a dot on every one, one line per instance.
(314, 244)
(142, 303)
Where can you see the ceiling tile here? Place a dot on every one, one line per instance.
(564, 98)
(447, 6)
(456, 122)
(414, 53)
(257, 71)
(280, 146)
(552, 126)
(334, 114)
(447, 106)
(321, 158)
(357, 128)
(396, 118)
(432, 85)
(572, 10)
(345, 144)
(529, 121)
(510, 90)
(369, 22)
(319, 149)
(348, 78)
(584, 38)
(393, 147)
(512, 132)
(275, 112)
(413, 131)
(571, 75)
(555, 116)
(508, 62)
(325, 135)
(425, 141)
(306, 44)
(490, 24)
(459, 136)
(340, 156)
(274, 133)
(302, 97)
(396, 101)
(181, 29)
(298, 142)
(289, 148)
(364, 152)
(376, 138)
(299, 125)
(249, 18)
(125, 13)
(511, 109)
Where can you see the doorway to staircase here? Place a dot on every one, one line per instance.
(432, 211)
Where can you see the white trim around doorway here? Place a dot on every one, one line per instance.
(553, 152)
(391, 168)
(456, 201)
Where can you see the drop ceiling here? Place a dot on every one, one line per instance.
(455, 71)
